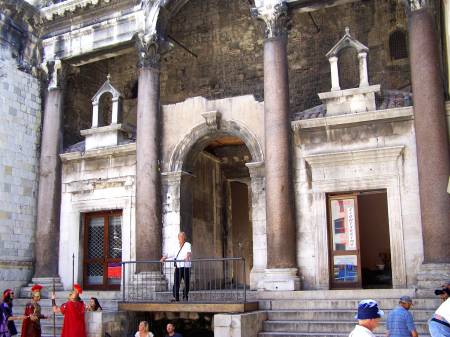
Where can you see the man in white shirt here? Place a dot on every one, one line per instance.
(182, 265)
(368, 319)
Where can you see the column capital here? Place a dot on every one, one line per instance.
(55, 71)
(415, 5)
(150, 48)
(274, 16)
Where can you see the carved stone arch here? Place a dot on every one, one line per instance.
(183, 156)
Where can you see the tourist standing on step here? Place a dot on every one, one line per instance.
(368, 319)
(170, 328)
(182, 256)
(31, 326)
(73, 311)
(439, 324)
(400, 322)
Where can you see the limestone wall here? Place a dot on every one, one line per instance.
(20, 111)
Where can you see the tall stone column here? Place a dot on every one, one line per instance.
(432, 146)
(148, 201)
(49, 197)
(281, 272)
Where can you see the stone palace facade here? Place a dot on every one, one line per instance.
(309, 137)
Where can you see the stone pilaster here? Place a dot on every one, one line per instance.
(432, 145)
(258, 219)
(281, 272)
(148, 201)
(49, 197)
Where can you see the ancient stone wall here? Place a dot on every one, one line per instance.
(20, 111)
(228, 47)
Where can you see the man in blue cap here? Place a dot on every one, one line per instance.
(400, 322)
(368, 319)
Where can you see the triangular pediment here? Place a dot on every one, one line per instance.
(347, 41)
(107, 87)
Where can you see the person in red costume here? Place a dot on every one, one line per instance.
(31, 326)
(73, 311)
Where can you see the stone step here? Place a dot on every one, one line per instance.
(331, 315)
(47, 329)
(354, 294)
(384, 304)
(20, 303)
(318, 334)
(326, 326)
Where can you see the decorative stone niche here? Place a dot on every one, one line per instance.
(362, 98)
(108, 135)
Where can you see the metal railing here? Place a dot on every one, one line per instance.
(213, 280)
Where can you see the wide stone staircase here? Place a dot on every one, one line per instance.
(108, 300)
(331, 313)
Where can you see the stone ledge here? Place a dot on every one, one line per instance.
(388, 115)
(99, 153)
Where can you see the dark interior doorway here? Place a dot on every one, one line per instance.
(215, 202)
(359, 240)
(375, 241)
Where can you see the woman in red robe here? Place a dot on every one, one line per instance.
(73, 311)
(31, 326)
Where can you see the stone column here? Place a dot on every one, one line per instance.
(334, 73)
(281, 272)
(432, 146)
(148, 201)
(49, 196)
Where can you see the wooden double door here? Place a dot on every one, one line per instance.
(102, 250)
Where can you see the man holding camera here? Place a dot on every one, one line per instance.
(439, 324)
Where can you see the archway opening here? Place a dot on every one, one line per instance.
(215, 201)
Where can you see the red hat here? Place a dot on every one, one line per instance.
(6, 293)
(36, 287)
(77, 288)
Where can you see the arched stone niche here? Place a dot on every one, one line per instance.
(359, 99)
(112, 134)
(178, 179)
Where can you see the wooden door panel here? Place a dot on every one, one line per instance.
(345, 261)
(103, 250)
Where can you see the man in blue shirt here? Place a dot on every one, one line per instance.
(171, 331)
(400, 322)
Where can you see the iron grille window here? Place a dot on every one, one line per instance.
(397, 45)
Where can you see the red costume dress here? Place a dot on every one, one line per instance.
(73, 325)
(32, 328)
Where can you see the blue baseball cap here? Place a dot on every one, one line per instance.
(368, 309)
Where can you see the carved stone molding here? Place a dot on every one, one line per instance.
(212, 119)
(275, 17)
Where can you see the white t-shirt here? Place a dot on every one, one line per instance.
(444, 310)
(360, 331)
(182, 256)
(148, 335)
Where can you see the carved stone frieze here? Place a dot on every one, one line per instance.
(415, 5)
(275, 16)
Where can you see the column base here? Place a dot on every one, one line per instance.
(257, 279)
(432, 276)
(46, 282)
(281, 279)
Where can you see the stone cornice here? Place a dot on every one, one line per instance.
(396, 114)
(70, 7)
(120, 150)
(357, 156)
